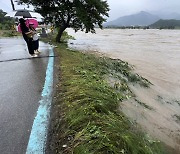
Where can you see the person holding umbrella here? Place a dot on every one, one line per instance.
(35, 38)
(33, 24)
(28, 37)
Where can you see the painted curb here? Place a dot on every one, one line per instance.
(38, 136)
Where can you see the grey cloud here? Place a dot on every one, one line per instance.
(127, 7)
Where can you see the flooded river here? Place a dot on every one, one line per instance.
(155, 55)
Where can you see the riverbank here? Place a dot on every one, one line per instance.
(85, 116)
(155, 56)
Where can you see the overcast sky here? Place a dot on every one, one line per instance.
(120, 8)
(127, 7)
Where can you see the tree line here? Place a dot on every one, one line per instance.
(78, 14)
(6, 23)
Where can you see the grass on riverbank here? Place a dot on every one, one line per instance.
(9, 33)
(86, 119)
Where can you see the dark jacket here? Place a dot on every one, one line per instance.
(24, 30)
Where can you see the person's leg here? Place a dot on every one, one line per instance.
(30, 46)
(36, 46)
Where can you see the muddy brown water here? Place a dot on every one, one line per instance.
(155, 55)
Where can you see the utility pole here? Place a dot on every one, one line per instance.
(12, 5)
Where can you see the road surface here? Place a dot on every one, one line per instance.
(21, 83)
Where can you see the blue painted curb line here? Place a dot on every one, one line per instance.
(38, 136)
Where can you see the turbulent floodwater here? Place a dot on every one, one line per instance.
(155, 55)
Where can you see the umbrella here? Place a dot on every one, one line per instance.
(25, 14)
(32, 21)
(28, 22)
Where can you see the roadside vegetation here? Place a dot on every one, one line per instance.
(85, 115)
(6, 23)
(79, 15)
(7, 28)
(8, 33)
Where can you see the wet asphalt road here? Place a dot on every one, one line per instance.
(21, 83)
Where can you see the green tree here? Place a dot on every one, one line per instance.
(5, 22)
(77, 14)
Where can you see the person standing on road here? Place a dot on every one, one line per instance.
(35, 38)
(28, 37)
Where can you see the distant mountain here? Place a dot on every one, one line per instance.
(166, 15)
(174, 15)
(140, 19)
(166, 24)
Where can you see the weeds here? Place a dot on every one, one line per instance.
(90, 108)
(144, 105)
(177, 101)
(8, 33)
(123, 70)
(177, 118)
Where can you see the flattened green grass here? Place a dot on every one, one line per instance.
(87, 106)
